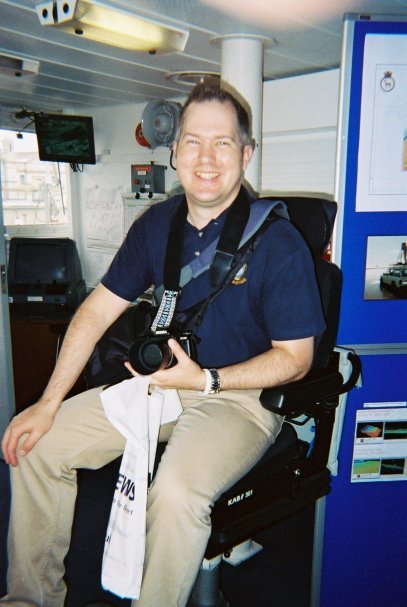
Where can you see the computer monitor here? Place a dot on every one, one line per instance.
(44, 276)
(43, 261)
(64, 138)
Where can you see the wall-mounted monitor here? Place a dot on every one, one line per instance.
(65, 138)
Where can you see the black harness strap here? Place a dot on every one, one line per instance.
(175, 245)
(232, 232)
(228, 244)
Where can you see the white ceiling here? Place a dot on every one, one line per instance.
(77, 73)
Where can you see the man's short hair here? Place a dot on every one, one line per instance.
(202, 93)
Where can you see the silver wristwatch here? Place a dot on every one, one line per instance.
(215, 381)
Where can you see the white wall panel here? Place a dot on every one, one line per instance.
(299, 133)
(299, 162)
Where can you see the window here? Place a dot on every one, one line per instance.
(35, 194)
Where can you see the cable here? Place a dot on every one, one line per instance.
(61, 189)
(76, 167)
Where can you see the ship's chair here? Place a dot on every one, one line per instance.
(292, 474)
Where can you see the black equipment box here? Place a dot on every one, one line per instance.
(148, 178)
(44, 276)
(46, 299)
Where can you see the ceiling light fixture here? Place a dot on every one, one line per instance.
(192, 78)
(18, 66)
(100, 23)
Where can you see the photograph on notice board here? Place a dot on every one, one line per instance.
(380, 444)
(372, 430)
(386, 267)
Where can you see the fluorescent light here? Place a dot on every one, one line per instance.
(96, 21)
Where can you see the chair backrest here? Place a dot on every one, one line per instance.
(314, 218)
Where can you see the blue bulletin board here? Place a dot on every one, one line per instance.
(365, 550)
(370, 243)
(365, 532)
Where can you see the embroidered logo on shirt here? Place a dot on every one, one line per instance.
(240, 276)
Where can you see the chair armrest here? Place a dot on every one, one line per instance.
(319, 385)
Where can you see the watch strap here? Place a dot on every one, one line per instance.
(212, 385)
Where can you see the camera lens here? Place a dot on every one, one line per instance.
(149, 355)
(154, 354)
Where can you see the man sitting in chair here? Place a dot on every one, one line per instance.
(259, 332)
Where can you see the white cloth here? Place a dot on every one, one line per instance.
(138, 416)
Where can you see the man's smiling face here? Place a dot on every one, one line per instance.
(209, 155)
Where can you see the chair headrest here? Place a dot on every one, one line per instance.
(314, 218)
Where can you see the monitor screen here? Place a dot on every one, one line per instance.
(40, 263)
(43, 261)
(65, 138)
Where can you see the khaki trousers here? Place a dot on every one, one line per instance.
(213, 443)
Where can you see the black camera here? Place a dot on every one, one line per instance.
(151, 352)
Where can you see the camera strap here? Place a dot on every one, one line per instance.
(172, 268)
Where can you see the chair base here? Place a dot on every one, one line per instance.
(205, 592)
(220, 602)
(242, 552)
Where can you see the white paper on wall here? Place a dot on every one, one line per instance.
(103, 216)
(382, 159)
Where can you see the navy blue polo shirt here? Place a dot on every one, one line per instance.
(275, 297)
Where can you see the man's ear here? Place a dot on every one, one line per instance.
(173, 157)
(247, 155)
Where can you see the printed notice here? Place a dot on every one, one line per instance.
(382, 159)
(380, 446)
(103, 217)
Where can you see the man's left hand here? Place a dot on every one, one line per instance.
(184, 375)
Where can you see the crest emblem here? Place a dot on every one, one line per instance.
(240, 276)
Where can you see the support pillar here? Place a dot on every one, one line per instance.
(242, 73)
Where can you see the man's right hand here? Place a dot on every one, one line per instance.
(33, 422)
(91, 320)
